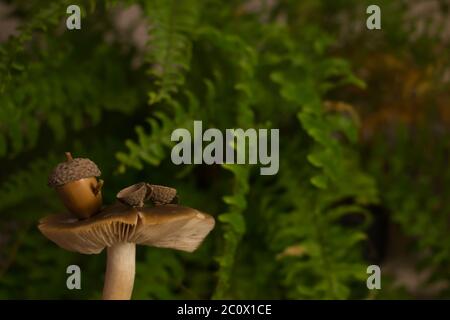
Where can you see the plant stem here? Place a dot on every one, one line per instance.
(120, 269)
(69, 156)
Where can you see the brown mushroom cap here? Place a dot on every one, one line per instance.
(169, 226)
(72, 170)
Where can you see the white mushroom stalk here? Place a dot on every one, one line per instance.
(120, 271)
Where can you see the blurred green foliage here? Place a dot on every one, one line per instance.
(305, 233)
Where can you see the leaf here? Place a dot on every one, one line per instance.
(235, 220)
(172, 21)
(320, 181)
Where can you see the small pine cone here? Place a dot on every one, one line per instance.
(161, 195)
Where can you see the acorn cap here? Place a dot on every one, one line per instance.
(72, 170)
(136, 194)
(169, 226)
(161, 195)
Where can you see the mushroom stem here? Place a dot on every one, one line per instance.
(120, 269)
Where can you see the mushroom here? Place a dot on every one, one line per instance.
(119, 227)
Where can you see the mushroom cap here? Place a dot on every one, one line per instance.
(169, 226)
(76, 169)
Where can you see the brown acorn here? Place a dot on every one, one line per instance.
(75, 181)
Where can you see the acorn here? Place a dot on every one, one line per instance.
(75, 181)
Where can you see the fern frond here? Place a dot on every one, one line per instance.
(152, 145)
(169, 48)
(26, 186)
(322, 268)
(74, 91)
(234, 227)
